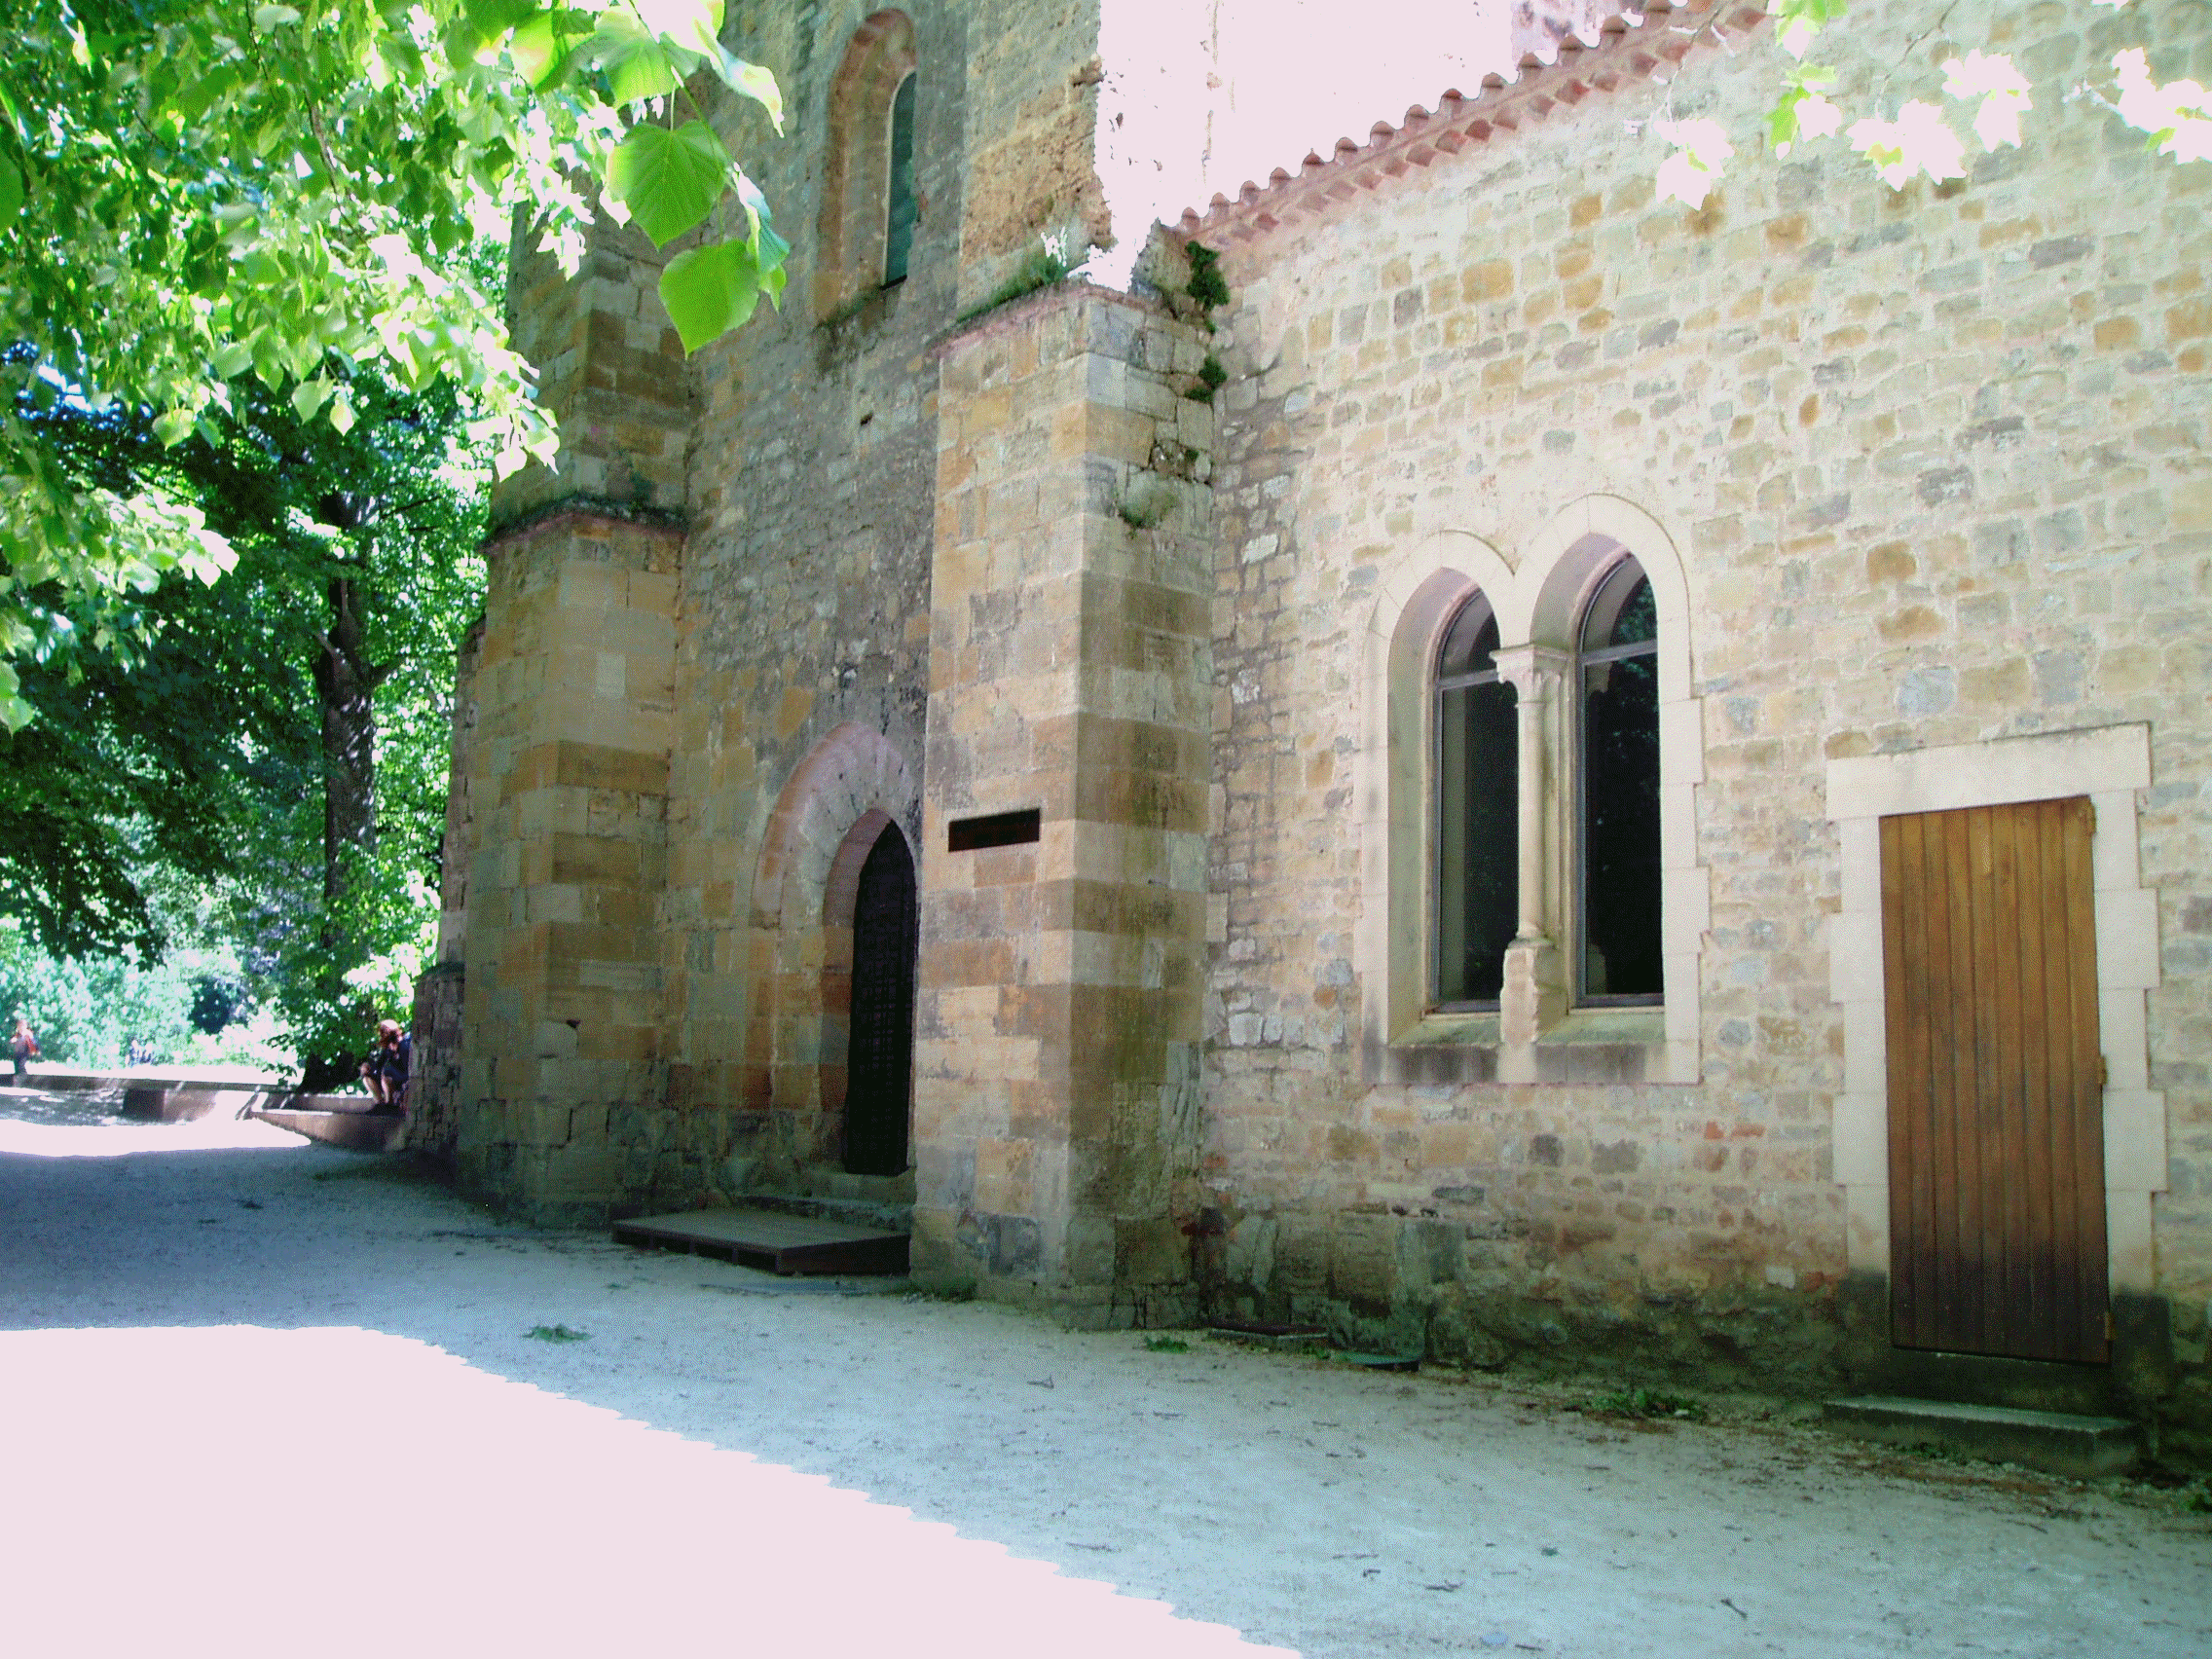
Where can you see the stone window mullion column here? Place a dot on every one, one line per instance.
(1534, 997)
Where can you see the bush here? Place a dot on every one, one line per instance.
(218, 1000)
(87, 1011)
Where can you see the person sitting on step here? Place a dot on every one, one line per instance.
(386, 1068)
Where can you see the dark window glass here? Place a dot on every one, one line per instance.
(1619, 670)
(899, 230)
(1478, 812)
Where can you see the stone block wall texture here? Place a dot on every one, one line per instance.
(796, 462)
(433, 1096)
(460, 840)
(434, 1099)
(803, 607)
(609, 365)
(1934, 460)
(568, 777)
(1933, 464)
(1057, 1105)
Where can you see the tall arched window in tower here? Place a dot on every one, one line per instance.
(1477, 812)
(871, 202)
(899, 214)
(1617, 667)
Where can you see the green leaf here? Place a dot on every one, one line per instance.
(638, 66)
(267, 17)
(750, 79)
(268, 356)
(173, 427)
(10, 191)
(234, 359)
(709, 291)
(308, 397)
(492, 18)
(401, 56)
(670, 181)
(341, 412)
(540, 47)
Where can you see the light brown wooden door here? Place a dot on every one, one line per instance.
(1996, 1082)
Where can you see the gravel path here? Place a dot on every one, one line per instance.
(265, 1396)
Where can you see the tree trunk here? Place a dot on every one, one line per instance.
(344, 683)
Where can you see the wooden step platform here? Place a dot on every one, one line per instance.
(768, 1239)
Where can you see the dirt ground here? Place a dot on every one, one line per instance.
(265, 1396)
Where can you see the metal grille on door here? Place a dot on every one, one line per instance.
(1997, 1192)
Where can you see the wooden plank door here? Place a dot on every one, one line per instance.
(879, 1056)
(1996, 1082)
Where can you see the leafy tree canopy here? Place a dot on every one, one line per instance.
(274, 764)
(1984, 87)
(196, 195)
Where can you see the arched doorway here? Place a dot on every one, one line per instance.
(879, 1065)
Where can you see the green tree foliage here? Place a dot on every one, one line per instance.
(87, 1011)
(282, 741)
(208, 200)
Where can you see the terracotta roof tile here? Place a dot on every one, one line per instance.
(1631, 44)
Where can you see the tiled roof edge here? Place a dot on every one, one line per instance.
(1630, 44)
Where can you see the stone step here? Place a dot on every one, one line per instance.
(779, 1241)
(361, 1131)
(166, 1103)
(2054, 1442)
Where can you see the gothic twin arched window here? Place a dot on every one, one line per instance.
(1609, 795)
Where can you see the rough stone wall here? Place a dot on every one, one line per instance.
(434, 1099)
(799, 455)
(1033, 106)
(434, 1091)
(457, 846)
(805, 587)
(568, 776)
(605, 356)
(1057, 1101)
(1934, 460)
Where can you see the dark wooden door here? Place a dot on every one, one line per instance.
(880, 1061)
(1996, 1082)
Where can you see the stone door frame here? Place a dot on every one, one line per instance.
(839, 799)
(2107, 765)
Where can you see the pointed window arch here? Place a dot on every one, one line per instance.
(1617, 910)
(1477, 805)
(871, 201)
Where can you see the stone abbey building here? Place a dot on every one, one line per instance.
(1438, 746)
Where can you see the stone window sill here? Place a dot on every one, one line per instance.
(1591, 1044)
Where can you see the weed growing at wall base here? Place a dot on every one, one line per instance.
(1646, 1403)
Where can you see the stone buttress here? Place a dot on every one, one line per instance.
(1056, 1091)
